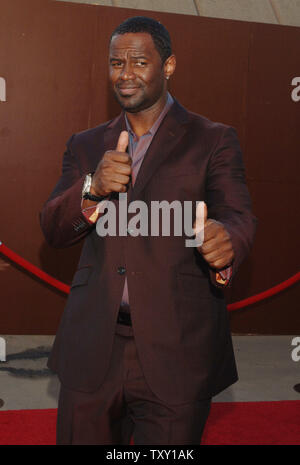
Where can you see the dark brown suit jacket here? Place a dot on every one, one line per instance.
(180, 321)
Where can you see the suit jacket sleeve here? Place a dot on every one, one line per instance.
(61, 218)
(227, 195)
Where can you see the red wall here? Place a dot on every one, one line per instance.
(53, 57)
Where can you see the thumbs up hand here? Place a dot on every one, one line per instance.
(216, 248)
(114, 170)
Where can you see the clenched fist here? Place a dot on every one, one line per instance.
(217, 246)
(114, 170)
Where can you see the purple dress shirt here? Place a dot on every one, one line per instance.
(137, 150)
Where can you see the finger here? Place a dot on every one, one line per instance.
(206, 232)
(213, 257)
(219, 251)
(119, 178)
(222, 263)
(122, 142)
(117, 167)
(117, 187)
(216, 243)
(120, 157)
(216, 253)
(209, 246)
(211, 230)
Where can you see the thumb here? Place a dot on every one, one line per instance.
(199, 225)
(201, 216)
(122, 142)
(205, 213)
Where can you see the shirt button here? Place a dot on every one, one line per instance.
(121, 270)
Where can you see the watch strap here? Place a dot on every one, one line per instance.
(94, 198)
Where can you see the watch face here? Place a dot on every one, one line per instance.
(87, 184)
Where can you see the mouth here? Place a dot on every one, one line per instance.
(127, 90)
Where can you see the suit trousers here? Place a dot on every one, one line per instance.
(124, 407)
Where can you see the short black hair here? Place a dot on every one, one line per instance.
(158, 32)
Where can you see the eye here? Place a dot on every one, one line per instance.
(116, 64)
(141, 63)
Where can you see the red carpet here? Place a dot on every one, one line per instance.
(235, 423)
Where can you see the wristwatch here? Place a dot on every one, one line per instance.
(86, 190)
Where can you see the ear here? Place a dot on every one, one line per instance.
(169, 66)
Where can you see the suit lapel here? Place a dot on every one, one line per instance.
(112, 132)
(171, 130)
(168, 135)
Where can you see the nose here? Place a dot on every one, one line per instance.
(127, 72)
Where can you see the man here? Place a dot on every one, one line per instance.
(144, 342)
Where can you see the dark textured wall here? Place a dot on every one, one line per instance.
(53, 57)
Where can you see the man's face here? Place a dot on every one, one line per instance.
(136, 71)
